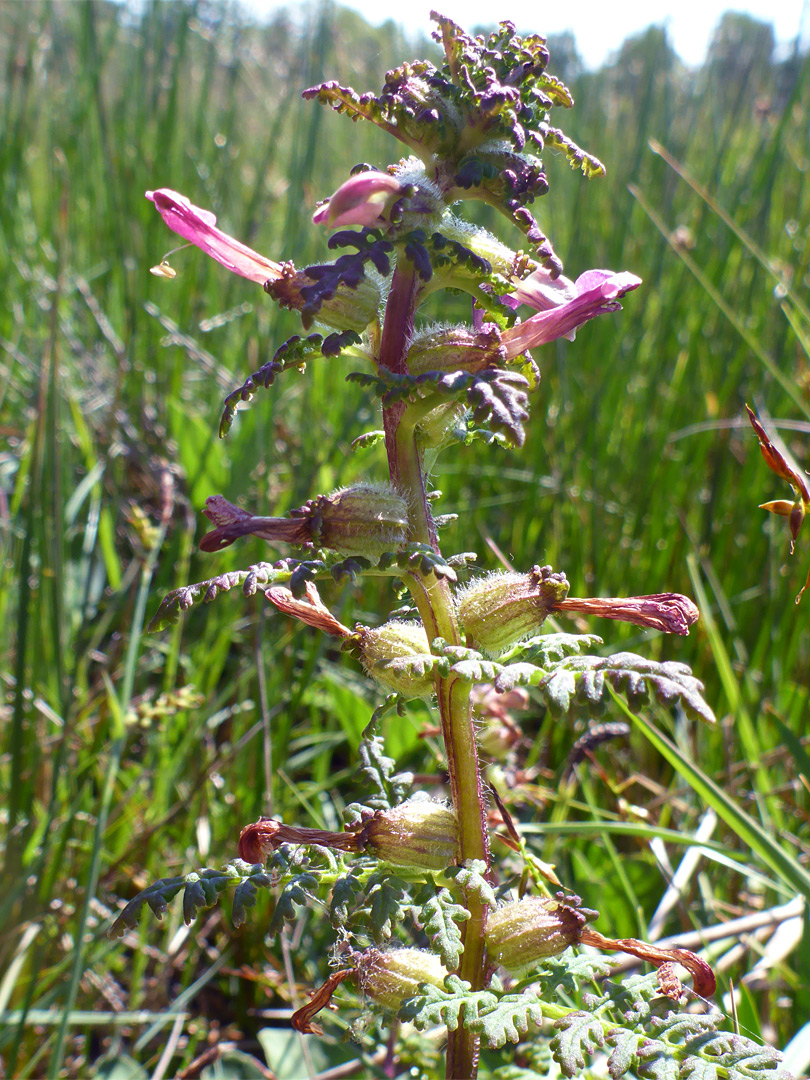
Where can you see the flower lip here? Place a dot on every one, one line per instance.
(543, 292)
(597, 292)
(198, 226)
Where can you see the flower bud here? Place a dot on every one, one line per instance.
(365, 519)
(522, 933)
(362, 200)
(382, 646)
(420, 832)
(499, 610)
(389, 978)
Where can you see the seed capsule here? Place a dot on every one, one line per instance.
(365, 519)
(455, 350)
(389, 978)
(527, 931)
(499, 610)
(382, 646)
(419, 832)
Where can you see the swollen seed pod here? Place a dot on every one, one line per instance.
(389, 978)
(419, 832)
(365, 519)
(501, 609)
(522, 933)
(348, 309)
(381, 648)
(457, 349)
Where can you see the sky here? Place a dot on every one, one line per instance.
(599, 28)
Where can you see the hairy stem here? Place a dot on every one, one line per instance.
(434, 602)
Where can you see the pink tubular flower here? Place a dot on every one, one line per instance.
(362, 200)
(199, 228)
(596, 292)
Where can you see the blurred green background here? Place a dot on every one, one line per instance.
(129, 756)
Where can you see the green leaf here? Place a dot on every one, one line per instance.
(563, 975)
(379, 770)
(120, 1067)
(284, 1053)
(296, 893)
(657, 1062)
(344, 895)
(245, 896)
(578, 1035)
(437, 1006)
(546, 648)
(508, 1019)
(587, 683)
(471, 878)
(439, 918)
(625, 1046)
(384, 895)
(234, 1065)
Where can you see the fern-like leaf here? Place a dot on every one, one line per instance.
(384, 896)
(293, 353)
(344, 896)
(508, 1019)
(296, 893)
(380, 771)
(583, 683)
(471, 878)
(578, 1036)
(440, 917)
(180, 600)
(450, 1006)
(547, 648)
(245, 896)
(625, 1051)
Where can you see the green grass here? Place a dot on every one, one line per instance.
(639, 475)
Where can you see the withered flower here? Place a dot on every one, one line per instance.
(311, 610)
(301, 1019)
(703, 980)
(420, 832)
(780, 462)
(364, 519)
(258, 840)
(670, 612)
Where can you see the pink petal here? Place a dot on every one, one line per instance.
(542, 292)
(361, 200)
(598, 292)
(199, 227)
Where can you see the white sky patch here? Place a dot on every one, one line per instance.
(599, 28)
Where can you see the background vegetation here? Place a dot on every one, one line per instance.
(128, 756)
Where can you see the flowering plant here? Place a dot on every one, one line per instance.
(494, 961)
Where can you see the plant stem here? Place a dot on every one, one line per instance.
(434, 602)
